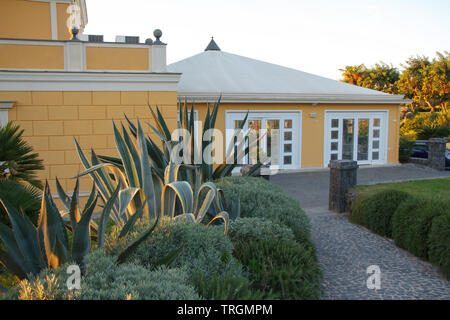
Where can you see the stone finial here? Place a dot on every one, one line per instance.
(74, 31)
(158, 34)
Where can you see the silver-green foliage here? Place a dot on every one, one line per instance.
(263, 199)
(255, 229)
(107, 280)
(205, 249)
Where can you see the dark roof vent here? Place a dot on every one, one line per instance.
(212, 46)
(131, 40)
(95, 38)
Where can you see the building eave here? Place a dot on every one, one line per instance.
(291, 98)
(87, 81)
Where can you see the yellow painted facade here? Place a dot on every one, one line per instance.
(52, 120)
(117, 58)
(312, 131)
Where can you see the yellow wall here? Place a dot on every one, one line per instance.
(52, 119)
(117, 58)
(31, 56)
(25, 19)
(313, 128)
(61, 13)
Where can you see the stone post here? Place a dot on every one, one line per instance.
(436, 153)
(342, 178)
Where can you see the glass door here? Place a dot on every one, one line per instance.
(358, 137)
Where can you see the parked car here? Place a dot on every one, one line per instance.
(420, 150)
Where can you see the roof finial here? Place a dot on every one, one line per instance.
(212, 46)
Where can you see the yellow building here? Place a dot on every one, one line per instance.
(57, 87)
(317, 119)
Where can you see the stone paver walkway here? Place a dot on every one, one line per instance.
(345, 250)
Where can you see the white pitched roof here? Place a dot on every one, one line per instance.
(211, 73)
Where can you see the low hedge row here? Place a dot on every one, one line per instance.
(272, 240)
(419, 225)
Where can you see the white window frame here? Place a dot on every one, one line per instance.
(357, 114)
(295, 115)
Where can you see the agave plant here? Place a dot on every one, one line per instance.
(31, 249)
(160, 157)
(141, 186)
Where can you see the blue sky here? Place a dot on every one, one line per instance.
(316, 36)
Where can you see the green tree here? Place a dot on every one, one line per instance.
(381, 77)
(427, 83)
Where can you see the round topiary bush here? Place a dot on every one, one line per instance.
(263, 199)
(282, 269)
(255, 229)
(439, 243)
(375, 211)
(411, 223)
(205, 249)
(107, 280)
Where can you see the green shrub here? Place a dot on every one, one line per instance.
(375, 210)
(254, 229)
(261, 198)
(286, 269)
(405, 150)
(205, 249)
(106, 280)
(412, 221)
(225, 287)
(359, 209)
(439, 243)
(426, 125)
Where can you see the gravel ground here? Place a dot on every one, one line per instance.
(345, 250)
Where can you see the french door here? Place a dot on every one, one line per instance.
(358, 136)
(277, 133)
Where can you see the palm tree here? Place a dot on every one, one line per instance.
(17, 160)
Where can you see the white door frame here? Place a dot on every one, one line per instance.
(357, 114)
(295, 115)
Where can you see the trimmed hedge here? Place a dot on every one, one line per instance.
(375, 210)
(254, 229)
(263, 199)
(284, 269)
(205, 249)
(411, 224)
(439, 243)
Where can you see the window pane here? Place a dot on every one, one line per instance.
(347, 139)
(334, 146)
(376, 144)
(287, 159)
(288, 124)
(288, 136)
(363, 139)
(376, 122)
(288, 148)
(334, 134)
(334, 156)
(254, 127)
(375, 155)
(335, 123)
(273, 138)
(376, 133)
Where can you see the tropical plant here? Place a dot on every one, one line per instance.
(20, 195)
(17, 160)
(160, 157)
(139, 184)
(30, 249)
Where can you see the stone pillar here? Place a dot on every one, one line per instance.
(342, 178)
(436, 153)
